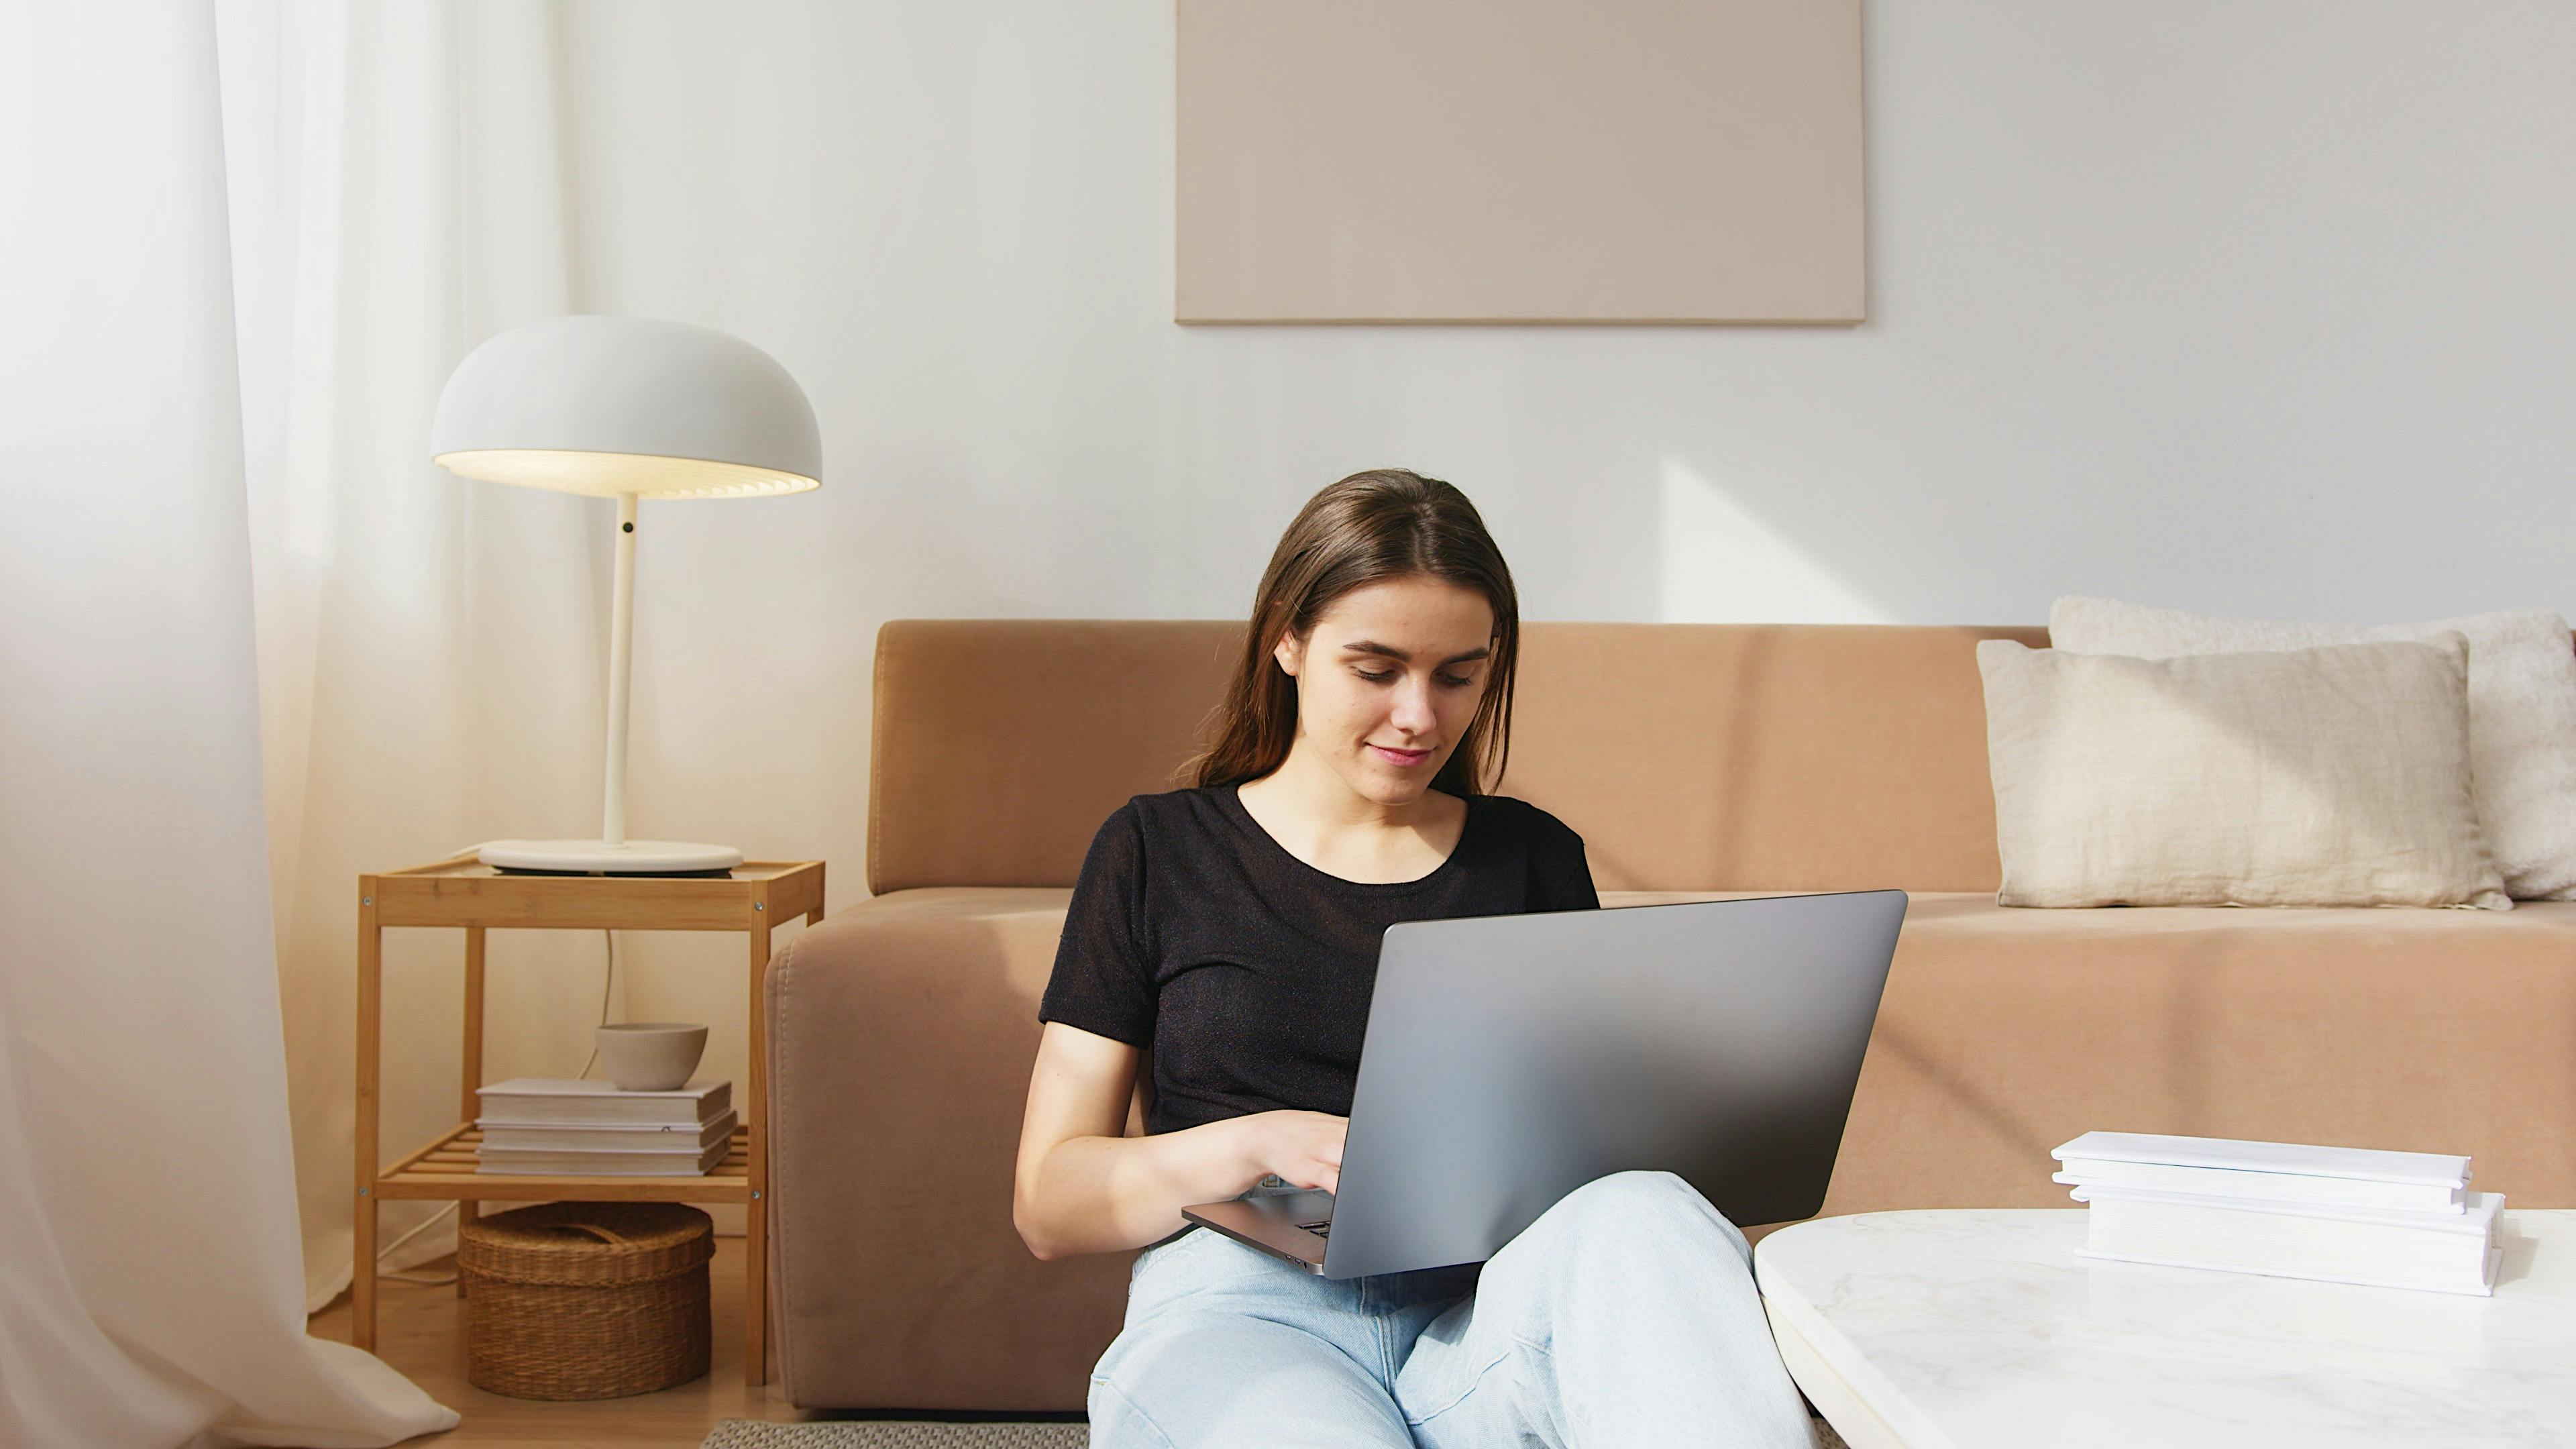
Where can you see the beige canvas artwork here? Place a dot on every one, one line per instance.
(1669, 161)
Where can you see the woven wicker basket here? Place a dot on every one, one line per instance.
(586, 1300)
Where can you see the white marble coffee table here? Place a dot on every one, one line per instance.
(1981, 1329)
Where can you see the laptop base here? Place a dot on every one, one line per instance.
(1276, 1224)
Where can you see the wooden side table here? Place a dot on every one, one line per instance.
(462, 892)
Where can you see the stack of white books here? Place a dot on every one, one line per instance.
(565, 1126)
(2342, 1214)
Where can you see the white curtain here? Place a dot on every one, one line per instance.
(251, 644)
(430, 650)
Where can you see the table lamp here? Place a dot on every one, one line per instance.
(625, 408)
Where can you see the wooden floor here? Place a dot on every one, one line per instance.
(421, 1332)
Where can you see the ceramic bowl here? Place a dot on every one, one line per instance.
(650, 1056)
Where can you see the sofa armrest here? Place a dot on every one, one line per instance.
(901, 1036)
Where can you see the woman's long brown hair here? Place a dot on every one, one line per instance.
(1368, 528)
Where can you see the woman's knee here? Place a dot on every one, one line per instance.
(1190, 1379)
(1646, 1208)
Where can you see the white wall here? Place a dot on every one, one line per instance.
(2250, 308)
(2243, 307)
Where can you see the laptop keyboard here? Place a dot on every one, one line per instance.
(1323, 1229)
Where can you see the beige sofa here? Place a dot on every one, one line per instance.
(1695, 760)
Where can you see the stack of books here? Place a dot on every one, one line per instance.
(564, 1126)
(2342, 1214)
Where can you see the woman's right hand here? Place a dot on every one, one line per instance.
(1302, 1149)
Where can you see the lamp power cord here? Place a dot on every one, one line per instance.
(607, 981)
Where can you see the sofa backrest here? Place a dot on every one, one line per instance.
(1700, 757)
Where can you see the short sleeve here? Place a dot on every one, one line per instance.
(1104, 976)
(1562, 873)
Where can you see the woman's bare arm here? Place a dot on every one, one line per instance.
(1081, 1186)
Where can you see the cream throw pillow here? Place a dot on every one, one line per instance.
(2522, 710)
(2316, 777)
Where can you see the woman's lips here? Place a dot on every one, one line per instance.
(1401, 757)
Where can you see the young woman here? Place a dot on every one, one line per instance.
(1229, 933)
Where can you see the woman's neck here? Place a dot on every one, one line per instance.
(1308, 791)
(1317, 818)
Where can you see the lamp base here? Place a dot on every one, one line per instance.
(598, 857)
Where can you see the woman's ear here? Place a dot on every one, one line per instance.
(1291, 654)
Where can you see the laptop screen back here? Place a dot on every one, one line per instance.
(1512, 1059)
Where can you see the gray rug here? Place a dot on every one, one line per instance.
(910, 1434)
(895, 1434)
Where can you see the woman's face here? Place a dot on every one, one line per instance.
(1388, 681)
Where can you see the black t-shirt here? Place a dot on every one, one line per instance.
(1247, 972)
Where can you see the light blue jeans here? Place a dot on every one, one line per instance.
(1624, 1318)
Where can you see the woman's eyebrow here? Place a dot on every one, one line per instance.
(1371, 646)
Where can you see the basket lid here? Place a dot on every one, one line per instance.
(586, 1244)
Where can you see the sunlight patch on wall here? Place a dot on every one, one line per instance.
(1720, 564)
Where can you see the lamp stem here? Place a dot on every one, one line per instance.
(621, 650)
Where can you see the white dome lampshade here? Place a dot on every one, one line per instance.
(618, 405)
(625, 408)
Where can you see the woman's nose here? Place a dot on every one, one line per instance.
(1413, 713)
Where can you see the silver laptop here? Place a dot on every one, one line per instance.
(1512, 1059)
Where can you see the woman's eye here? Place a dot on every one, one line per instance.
(1383, 675)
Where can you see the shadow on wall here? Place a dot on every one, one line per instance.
(1719, 563)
